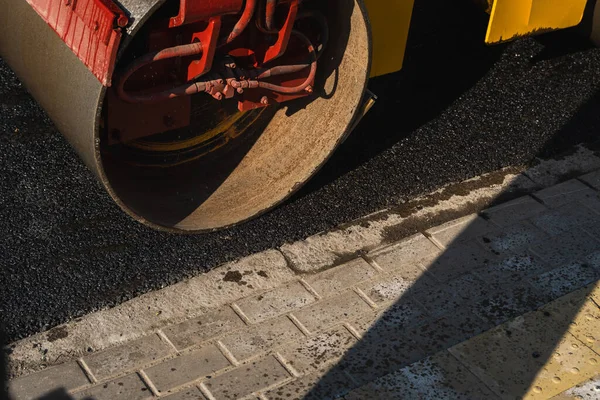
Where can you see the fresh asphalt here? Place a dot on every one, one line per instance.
(457, 110)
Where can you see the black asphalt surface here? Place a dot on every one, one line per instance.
(457, 110)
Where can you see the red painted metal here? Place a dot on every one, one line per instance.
(191, 11)
(239, 72)
(259, 98)
(283, 35)
(209, 38)
(165, 54)
(270, 14)
(91, 29)
(307, 82)
(242, 23)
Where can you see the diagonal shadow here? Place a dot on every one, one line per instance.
(476, 281)
(487, 270)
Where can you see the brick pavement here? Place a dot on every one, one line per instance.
(497, 305)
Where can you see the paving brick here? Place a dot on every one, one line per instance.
(565, 218)
(446, 297)
(345, 307)
(592, 179)
(187, 368)
(509, 213)
(594, 293)
(459, 259)
(588, 390)
(591, 200)
(585, 325)
(509, 301)
(361, 326)
(332, 385)
(593, 230)
(247, 379)
(511, 373)
(512, 269)
(534, 358)
(565, 307)
(238, 279)
(390, 287)
(406, 255)
(397, 316)
(385, 344)
(203, 328)
(255, 339)
(439, 334)
(380, 350)
(141, 316)
(128, 356)
(438, 377)
(512, 239)
(592, 259)
(561, 281)
(461, 230)
(318, 352)
(69, 376)
(566, 248)
(276, 302)
(563, 193)
(129, 387)
(192, 393)
(335, 280)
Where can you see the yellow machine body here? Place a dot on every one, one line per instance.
(510, 19)
(390, 22)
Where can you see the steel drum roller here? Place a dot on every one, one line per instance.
(230, 162)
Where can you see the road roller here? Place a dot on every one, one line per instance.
(198, 115)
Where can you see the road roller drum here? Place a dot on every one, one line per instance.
(213, 112)
(197, 115)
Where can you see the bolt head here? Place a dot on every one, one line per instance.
(122, 21)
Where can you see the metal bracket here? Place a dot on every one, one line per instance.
(209, 38)
(191, 11)
(283, 36)
(98, 21)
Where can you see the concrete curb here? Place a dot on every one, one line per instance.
(258, 273)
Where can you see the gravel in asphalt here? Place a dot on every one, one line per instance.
(457, 110)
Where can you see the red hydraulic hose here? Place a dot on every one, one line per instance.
(267, 26)
(281, 70)
(171, 52)
(311, 75)
(242, 24)
(270, 14)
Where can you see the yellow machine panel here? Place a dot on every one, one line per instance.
(510, 19)
(390, 21)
